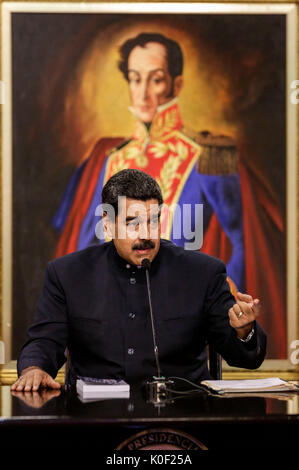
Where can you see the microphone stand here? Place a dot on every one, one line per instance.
(157, 389)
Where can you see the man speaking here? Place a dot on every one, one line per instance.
(94, 302)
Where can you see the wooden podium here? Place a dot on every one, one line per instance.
(53, 419)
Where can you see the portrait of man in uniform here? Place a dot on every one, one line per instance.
(195, 100)
(188, 166)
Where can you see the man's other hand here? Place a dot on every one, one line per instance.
(33, 378)
(243, 314)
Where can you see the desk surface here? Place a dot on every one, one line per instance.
(201, 411)
(200, 406)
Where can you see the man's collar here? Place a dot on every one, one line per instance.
(125, 266)
(166, 120)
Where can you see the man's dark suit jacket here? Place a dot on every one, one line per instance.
(96, 305)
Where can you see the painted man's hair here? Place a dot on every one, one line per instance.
(173, 51)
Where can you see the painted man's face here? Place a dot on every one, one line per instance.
(150, 83)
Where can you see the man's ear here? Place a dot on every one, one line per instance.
(107, 223)
(178, 85)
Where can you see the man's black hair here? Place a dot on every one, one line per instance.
(173, 52)
(133, 184)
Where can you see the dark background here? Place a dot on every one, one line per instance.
(47, 47)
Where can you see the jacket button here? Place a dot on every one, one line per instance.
(132, 315)
(132, 280)
(131, 351)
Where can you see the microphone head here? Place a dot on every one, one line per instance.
(145, 263)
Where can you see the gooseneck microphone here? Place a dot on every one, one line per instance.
(146, 264)
(157, 388)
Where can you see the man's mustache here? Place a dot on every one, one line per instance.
(144, 245)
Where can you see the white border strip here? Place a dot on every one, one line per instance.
(7, 184)
(292, 175)
(174, 8)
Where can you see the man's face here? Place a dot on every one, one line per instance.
(136, 231)
(150, 83)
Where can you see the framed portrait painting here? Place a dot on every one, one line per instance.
(70, 122)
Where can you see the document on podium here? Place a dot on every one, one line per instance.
(273, 384)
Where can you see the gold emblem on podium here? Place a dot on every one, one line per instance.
(161, 439)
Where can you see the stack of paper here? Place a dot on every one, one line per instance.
(90, 388)
(252, 385)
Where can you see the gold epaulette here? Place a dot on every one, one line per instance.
(218, 155)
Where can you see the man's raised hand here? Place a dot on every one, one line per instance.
(243, 313)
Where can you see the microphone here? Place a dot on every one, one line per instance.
(157, 389)
(146, 264)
